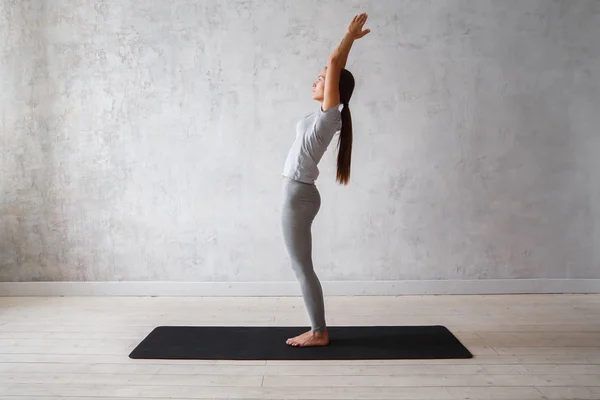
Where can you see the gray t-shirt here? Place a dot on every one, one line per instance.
(313, 134)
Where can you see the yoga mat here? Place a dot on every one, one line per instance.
(268, 343)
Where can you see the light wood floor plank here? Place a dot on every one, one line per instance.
(132, 368)
(571, 393)
(343, 394)
(133, 379)
(130, 390)
(434, 380)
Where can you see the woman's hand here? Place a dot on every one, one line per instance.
(355, 27)
(340, 54)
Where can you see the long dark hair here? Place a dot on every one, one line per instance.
(345, 140)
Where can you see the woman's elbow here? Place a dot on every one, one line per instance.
(334, 62)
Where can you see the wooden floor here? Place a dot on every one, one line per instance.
(525, 347)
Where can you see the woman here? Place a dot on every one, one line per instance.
(302, 201)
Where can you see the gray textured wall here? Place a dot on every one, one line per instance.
(144, 139)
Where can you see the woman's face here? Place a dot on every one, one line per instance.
(318, 89)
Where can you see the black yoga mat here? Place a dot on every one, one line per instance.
(268, 343)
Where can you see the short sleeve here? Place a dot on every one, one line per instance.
(328, 123)
(332, 114)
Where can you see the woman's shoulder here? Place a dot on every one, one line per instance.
(332, 113)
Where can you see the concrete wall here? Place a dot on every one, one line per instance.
(143, 140)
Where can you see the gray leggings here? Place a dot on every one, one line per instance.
(301, 202)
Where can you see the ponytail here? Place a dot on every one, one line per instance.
(344, 147)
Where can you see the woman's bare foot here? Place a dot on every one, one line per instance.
(310, 338)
